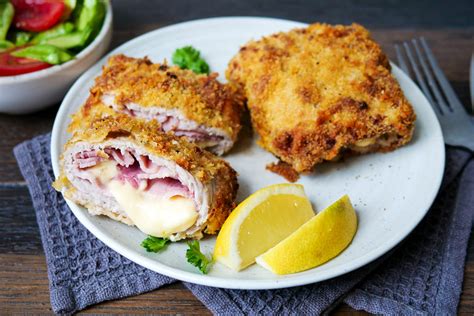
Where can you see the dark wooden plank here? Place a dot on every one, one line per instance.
(172, 299)
(15, 129)
(23, 285)
(345, 310)
(24, 290)
(387, 14)
(466, 304)
(18, 228)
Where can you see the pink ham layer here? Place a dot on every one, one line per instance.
(172, 123)
(134, 169)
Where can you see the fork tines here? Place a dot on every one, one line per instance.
(428, 75)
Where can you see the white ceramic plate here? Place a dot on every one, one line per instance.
(391, 192)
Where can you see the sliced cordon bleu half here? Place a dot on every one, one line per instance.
(166, 186)
(195, 106)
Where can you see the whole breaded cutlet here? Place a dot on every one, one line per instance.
(315, 93)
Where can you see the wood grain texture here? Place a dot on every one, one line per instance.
(448, 27)
(18, 228)
(24, 290)
(15, 129)
(373, 13)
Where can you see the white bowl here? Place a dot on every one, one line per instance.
(34, 91)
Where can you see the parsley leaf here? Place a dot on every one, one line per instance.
(154, 244)
(197, 258)
(189, 58)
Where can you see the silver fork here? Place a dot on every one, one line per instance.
(458, 129)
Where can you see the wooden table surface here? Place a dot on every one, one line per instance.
(449, 28)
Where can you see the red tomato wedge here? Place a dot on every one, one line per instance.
(12, 66)
(37, 15)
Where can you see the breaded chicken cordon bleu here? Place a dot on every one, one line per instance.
(319, 92)
(195, 106)
(164, 185)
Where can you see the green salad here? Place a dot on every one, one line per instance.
(35, 34)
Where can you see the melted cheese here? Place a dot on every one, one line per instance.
(104, 171)
(365, 142)
(152, 214)
(207, 143)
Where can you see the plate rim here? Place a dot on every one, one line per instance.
(214, 281)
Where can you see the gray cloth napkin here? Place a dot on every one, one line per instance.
(421, 276)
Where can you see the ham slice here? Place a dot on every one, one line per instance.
(87, 159)
(172, 120)
(138, 170)
(161, 179)
(167, 188)
(123, 157)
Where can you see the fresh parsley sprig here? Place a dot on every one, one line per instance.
(189, 58)
(193, 253)
(197, 258)
(155, 244)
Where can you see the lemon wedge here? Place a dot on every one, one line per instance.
(260, 222)
(322, 238)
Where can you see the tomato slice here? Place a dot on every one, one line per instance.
(12, 66)
(37, 15)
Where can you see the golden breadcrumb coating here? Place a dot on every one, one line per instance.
(316, 92)
(200, 163)
(200, 98)
(283, 169)
(92, 110)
